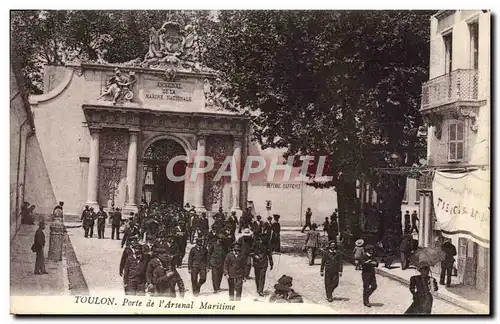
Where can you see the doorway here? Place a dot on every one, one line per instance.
(157, 187)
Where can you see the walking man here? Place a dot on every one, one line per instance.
(116, 221)
(262, 256)
(134, 273)
(331, 269)
(308, 219)
(197, 266)
(101, 222)
(275, 235)
(404, 250)
(91, 221)
(414, 219)
(38, 246)
(368, 275)
(312, 243)
(85, 220)
(216, 256)
(234, 269)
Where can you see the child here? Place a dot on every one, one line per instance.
(359, 252)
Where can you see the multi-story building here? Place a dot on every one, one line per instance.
(456, 106)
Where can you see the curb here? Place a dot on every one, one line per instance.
(76, 281)
(72, 225)
(437, 294)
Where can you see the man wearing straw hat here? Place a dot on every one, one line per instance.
(359, 252)
(331, 269)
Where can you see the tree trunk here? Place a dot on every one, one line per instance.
(391, 193)
(348, 206)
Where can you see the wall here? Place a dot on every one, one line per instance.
(19, 130)
(63, 138)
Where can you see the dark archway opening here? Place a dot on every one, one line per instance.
(157, 186)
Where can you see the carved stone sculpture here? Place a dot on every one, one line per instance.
(119, 87)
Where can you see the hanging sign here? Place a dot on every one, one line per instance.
(462, 204)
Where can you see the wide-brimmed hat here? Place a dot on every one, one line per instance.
(359, 242)
(285, 280)
(246, 232)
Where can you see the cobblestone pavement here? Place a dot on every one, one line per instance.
(100, 259)
(22, 263)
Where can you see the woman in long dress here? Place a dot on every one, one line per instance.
(420, 287)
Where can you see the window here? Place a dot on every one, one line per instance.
(456, 141)
(474, 45)
(448, 55)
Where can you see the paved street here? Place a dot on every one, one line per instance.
(100, 259)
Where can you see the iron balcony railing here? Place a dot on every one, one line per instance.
(459, 85)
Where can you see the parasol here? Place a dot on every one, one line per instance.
(429, 256)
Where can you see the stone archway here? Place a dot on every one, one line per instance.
(157, 186)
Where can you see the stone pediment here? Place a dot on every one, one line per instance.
(168, 77)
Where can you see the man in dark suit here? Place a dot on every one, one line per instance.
(447, 265)
(414, 219)
(368, 275)
(257, 225)
(331, 269)
(38, 246)
(232, 224)
(268, 228)
(245, 219)
(85, 220)
(197, 266)
(203, 227)
(262, 256)
(234, 269)
(216, 255)
(101, 222)
(91, 221)
(308, 220)
(405, 250)
(134, 273)
(116, 220)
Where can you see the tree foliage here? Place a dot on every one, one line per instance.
(345, 84)
(42, 37)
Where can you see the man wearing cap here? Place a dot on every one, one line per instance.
(216, 255)
(257, 225)
(232, 224)
(246, 243)
(131, 230)
(245, 219)
(38, 246)
(262, 256)
(116, 220)
(203, 227)
(153, 263)
(134, 273)
(197, 266)
(331, 269)
(129, 250)
(101, 222)
(312, 243)
(89, 222)
(368, 275)
(156, 273)
(234, 269)
(84, 219)
(268, 228)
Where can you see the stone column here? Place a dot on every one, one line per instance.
(132, 171)
(427, 220)
(235, 185)
(93, 175)
(199, 185)
(421, 219)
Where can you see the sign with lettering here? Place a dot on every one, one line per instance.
(462, 204)
(158, 91)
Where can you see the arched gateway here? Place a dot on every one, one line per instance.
(157, 186)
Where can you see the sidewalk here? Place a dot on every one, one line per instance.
(22, 262)
(475, 301)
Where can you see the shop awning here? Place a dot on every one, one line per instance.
(462, 204)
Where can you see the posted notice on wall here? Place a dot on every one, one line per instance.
(462, 204)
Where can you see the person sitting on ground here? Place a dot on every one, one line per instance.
(284, 293)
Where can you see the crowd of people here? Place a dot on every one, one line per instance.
(155, 241)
